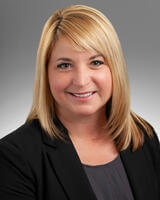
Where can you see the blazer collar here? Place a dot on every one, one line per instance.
(66, 163)
(140, 173)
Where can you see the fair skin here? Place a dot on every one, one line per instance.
(81, 84)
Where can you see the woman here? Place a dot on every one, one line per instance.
(81, 140)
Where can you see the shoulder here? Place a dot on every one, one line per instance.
(151, 148)
(20, 158)
(25, 142)
(152, 144)
(151, 140)
(28, 132)
(150, 137)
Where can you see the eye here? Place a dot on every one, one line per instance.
(97, 62)
(64, 66)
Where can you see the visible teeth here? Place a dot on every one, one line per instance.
(83, 95)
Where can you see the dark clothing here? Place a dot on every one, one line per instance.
(109, 181)
(34, 167)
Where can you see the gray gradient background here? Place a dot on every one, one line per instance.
(137, 23)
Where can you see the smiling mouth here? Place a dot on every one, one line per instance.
(84, 94)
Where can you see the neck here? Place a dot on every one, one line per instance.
(85, 127)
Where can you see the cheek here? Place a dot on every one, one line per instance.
(57, 83)
(105, 80)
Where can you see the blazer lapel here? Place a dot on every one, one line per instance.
(139, 174)
(65, 161)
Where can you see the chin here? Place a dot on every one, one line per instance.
(85, 112)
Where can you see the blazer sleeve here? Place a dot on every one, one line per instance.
(16, 180)
(153, 149)
(156, 157)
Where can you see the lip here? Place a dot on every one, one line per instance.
(81, 92)
(82, 99)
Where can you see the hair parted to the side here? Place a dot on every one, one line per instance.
(87, 29)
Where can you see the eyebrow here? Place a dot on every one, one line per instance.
(68, 59)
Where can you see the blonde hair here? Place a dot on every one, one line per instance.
(88, 29)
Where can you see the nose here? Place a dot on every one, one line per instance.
(81, 77)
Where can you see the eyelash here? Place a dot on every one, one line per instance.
(64, 64)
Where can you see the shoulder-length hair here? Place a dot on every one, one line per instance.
(88, 29)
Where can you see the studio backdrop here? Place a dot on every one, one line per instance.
(137, 24)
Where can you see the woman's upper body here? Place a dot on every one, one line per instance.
(81, 81)
(32, 166)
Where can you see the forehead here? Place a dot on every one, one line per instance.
(65, 47)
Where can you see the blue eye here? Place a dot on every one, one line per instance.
(97, 62)
(63, 65)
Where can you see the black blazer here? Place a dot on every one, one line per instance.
(33, 167)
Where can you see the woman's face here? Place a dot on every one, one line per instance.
(80, 82)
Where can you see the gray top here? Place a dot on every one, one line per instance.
(109, 181)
